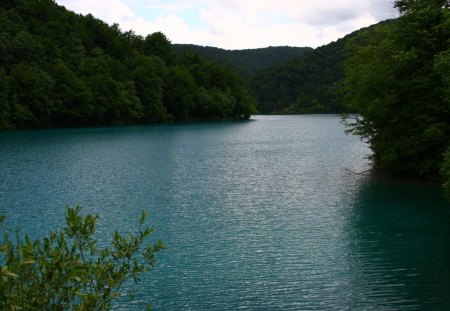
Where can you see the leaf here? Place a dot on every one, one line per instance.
(10, 274)
(144, 216)
(76, 278)
(27, 262)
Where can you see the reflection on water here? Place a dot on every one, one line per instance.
(399, 244)
(259, 215)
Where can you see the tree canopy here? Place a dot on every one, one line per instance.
(247, 62)
(307, 84)
(286, 79)
(58, 69)
(397, 77)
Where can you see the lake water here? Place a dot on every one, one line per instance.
(256, 215)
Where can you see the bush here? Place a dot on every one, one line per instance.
(67, 270)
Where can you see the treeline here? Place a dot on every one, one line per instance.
(287, 79)
(307, 84)
(398, 79)
(245, 62)
(58, 69)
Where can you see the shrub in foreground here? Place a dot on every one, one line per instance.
(67, 270)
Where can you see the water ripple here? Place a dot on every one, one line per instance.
(260, 215)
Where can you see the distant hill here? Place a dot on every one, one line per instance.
(306, 84)
(310, 83)
(246, 62)
(286, 79)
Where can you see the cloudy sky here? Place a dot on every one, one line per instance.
(239, 24)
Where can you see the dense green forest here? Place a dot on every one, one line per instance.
(306, 84)
(245, 62)
(310, 83)
(398, 79)
(58, 68)
(286, 79)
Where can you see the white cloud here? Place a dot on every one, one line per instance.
(168, 7)
(235, 24)
(105, 10)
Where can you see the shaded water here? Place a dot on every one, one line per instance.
(258, 215)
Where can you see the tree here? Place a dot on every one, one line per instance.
(411, 6)
(31, 103)
(149, 76)
(72, 98)
(25, 48)
(157, 44)
(180, 89)
(67, 270)
(394, 78)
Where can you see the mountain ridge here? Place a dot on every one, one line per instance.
(246, 62)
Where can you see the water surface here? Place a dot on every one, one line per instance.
(257, 215)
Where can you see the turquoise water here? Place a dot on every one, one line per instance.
(257, 215)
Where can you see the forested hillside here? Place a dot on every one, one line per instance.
(60, 69)
(398, 79)
(307, 84)
(286, 79)
(246, 62)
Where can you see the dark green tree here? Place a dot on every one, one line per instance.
(396, 79)
(25, 48)
(149, 74)
(179, 93)
(30, 96)
(158, 44)
(73, 100)
(61, 69)
(246, 63)
(306, 84)
(3, 51)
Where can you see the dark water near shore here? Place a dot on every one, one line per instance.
(257, 215)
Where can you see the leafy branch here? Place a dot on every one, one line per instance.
(66, 270)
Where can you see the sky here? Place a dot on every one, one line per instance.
(240, 24)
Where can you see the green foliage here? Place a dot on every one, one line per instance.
(284, 79)
(179, 93)
(25, 48)
(62, 69)
(149, 77)
(411, 6)
(67, 270)
(219, 91)
(245, 62)
(157, 44)
(307, 84)
(397, 78)
(30, 88)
